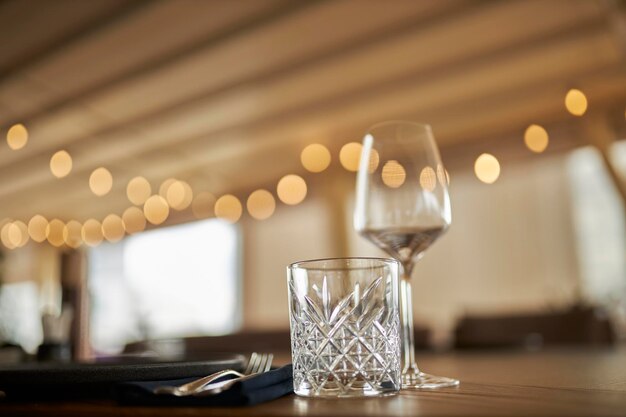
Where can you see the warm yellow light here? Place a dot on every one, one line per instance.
(37, 228)
(179, 195)
(156, 209)
(54, 232)
(374, 161)
(113, 228)
(291, 189)
(536, 138)
(487, 168)
(100, 181)
(315, 157)
(576, 102)
(61, 164)
(72, 234)
(138, 190)
(350, 155)
(393, 174)
(228, 208)
(428, 179)
(18, 234)
(17, 136)
(261, 204)
(4, 235)
(92, 232)
(165, 185)
(202, 205)
(134, 220)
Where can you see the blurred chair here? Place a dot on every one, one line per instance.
(580, 325)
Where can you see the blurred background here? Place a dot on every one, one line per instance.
(165, 160)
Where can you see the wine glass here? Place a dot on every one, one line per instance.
(402, 206)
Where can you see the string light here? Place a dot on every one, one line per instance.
(113, 228)
(179, 195)
(576, 102)
(134, 220)
(261, 204)
(72, 234)
(156, 209)
(291, 189)
(61, 164)
(393, 174)
(487, 168)
(92, 232)
(315, 158)
(4, 235)
(536, 138)
(54, 232)
(228, 208)
(428, 179)
(37, 228)
(202, 206)
(100, 181)
(17, 136)
(138, 190)
(350, 155)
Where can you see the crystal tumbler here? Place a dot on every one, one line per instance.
(344, 327)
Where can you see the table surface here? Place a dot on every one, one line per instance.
(564, 382)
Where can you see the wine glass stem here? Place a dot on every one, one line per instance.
(408, 342)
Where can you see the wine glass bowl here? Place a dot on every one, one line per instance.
(403, 207)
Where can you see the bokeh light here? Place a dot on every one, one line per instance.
(100, 181)
(113, 228)
(228, 208)
(487, 168)
(54, 232)
(92, 232)
(138, 190)
(350, 155)
(72, 234)
(291, 189)
(202, 206)
(576, 102)
(536, 138)
(37, 228)
(428, 179)
(4, 235)
(156, 209)
(134, 220)
(179, 195)
(315, 157)
(17, 136)
(393, 174)
(165, 185)
(61, 164)
(261, 204)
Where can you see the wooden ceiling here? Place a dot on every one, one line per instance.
(225, 94)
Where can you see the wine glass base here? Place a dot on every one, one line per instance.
(421, 380)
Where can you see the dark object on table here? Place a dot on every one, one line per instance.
(57, 381)
(54, 352)
(579, 325)
(263, 387)
(276, 341)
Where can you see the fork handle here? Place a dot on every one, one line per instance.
(192, 386)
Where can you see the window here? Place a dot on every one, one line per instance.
(171, 282)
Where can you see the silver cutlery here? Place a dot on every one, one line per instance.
(259, 362)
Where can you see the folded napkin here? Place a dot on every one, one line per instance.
(257, 389)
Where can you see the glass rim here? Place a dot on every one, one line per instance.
(304, 264)
(424, 126)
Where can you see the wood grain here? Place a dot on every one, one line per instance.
(564, 382)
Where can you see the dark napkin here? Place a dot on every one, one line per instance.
(260, 388)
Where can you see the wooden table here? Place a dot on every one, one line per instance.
(565, 382)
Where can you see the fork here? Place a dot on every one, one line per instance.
(259, 362)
